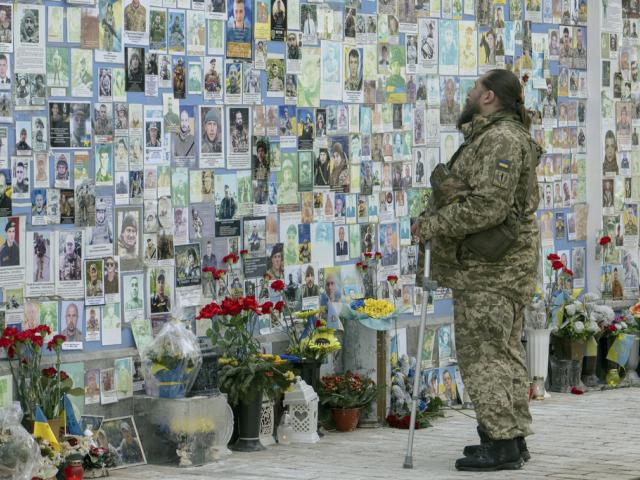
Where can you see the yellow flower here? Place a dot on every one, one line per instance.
(377, 308)
(289, 375)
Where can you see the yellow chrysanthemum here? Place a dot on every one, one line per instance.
(289, 375)
(377, 308)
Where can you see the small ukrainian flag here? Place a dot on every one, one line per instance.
(41, 429)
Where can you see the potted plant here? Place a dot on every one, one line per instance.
(347, 395)
(36, 385)
(245, 373)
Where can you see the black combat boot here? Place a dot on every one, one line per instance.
(495, 455)
(473, 449)
(484, 439)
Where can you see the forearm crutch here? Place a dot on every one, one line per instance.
(428, 287)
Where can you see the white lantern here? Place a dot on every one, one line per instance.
(266, 422)
(284, 430)
(302, 401)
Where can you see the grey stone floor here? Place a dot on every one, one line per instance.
(592, 436)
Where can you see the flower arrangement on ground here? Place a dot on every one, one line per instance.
(37, 386)
(171, 361)
(547, 307)
(347, 395)
(579, 318)
(245, 371)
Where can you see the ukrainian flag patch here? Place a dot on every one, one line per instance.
(501, 173)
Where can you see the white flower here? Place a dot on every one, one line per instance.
(578, 326)
(623, 325)
(593, 327)
(579, 307)
(619, 326)
(591, 297)
(570, 309)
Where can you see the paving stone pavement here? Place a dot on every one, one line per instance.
(591, 436)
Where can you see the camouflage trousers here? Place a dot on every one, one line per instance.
(488, 330)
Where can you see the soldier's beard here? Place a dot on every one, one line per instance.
(470, 109)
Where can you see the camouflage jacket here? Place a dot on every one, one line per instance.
(494, 161)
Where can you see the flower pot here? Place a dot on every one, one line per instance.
(538, 352)
(589, 377)
(310, 373)
(568, 349)
(632, 364)
(346, 419)
(249, 415)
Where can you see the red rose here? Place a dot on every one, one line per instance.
(277, 285)
(266, 307)
(557, 265)
(49, 372)
(604, 240)
(279, 306)
(568, 271)
(553, 256)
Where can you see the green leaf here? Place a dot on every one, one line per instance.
(76, 392)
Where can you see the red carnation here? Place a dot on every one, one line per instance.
(266, 307)
(231, 307)
(368, 254)
(568, 271)
(249, 303)
(279, 306)
(218, 274)
(209, 269)
(43, 328)
(604, 240)
(378, 255)
(392, 279)
(277, 285)
(244, 252)
(49, 372)
(267, 276)
(10, 332)
(231, 258)
(6, 342)
(359, 265)
(553, 256)
(612, 328)
(63, 375)
(56, 342)
(557, 265)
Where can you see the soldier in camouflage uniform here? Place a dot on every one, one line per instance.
(135, 17)
(490, 180)
(70, 266)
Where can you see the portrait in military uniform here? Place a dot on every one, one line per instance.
(134, 69)
(183, 140)
(128, 229)
(211, 139)
(239, 130)
(158, 30)
(160, 288)
(353, 69)
(40, 262)
(133, 291)
(103, 119)
(71, 323)
(94, 280)
(69, 256)
(188, 265)
(135, 16)
(6, 24)
(10, 255)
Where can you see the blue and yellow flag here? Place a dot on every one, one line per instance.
(41, 429)
(72, 427)
(621, 349)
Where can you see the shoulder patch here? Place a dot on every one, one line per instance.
(501, 173)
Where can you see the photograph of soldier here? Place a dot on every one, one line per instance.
(188, 265)
(111, 284)
(85, 203)
(42, 257)
(6, 28)
(70, 262)
(10, 249)
(134, 69)
(227, 205)
(275, 76)
(5, 71)
(183, 141)
(160, 291)
(179, 79)
(153, 139)
(212, 78)
(71, 321)
(133, 300)
(135, 17)
(353, 71)
(29, 26)
(93, 278)
(67, 206)
(211, 141)
(239, 28)
(128, 240)
(104, 82)
(104, 168)
(239, 130)
(261, 159)
(80, 130)
(103, 123)
(339, 165)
